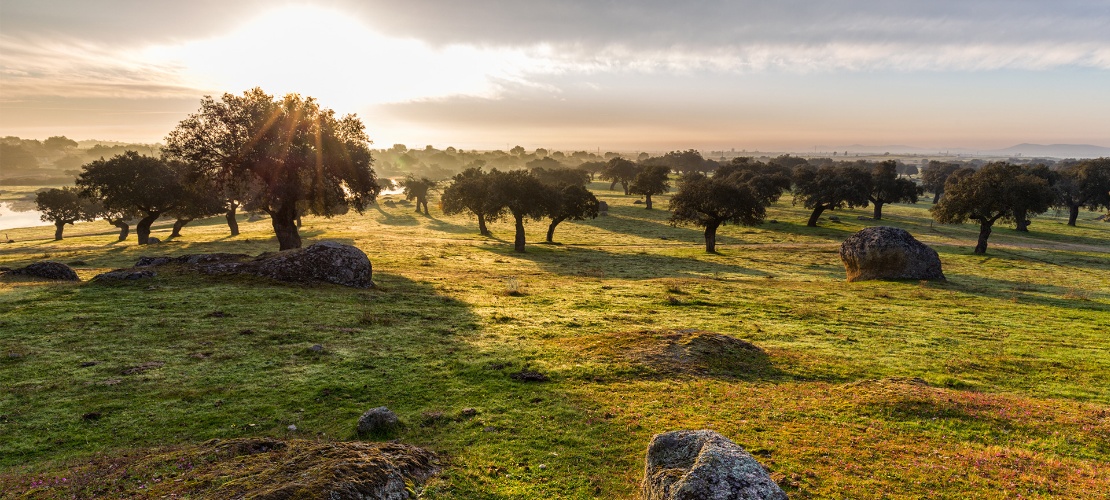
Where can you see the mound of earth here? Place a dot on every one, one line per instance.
(694, 352)
(257, 468)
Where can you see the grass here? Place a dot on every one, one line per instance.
(994, 384)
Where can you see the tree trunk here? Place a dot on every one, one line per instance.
(482, 225)
(817, 211)
(142, 229)
(518, 243)
(711, 237)
(231, 222)
(124, 228)
(284, 221)
(936, 196)
(551, 228)
(613, 186)
(624, 184)
(984, 233)
(1021, 220)
(58, 227)
(647, 201)
(1073, 214)
(177, 225)
(878, 210)
(298, 221)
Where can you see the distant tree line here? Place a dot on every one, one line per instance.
(288, 157)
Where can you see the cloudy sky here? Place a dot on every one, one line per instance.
(615, 75)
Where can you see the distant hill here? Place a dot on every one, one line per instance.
(1057, 150)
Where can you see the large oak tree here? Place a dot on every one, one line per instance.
(472, 190)
(887, 187)
(277, 155)
(1084, 184)
(990, 194)
(711, 202)
(831, 187)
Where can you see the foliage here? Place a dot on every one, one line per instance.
(1084, 184)
(710, 202)
(523, 196)
(650, 180)
(560, 176)
(65, 206)
(830, 188)
(570, 201)
(471, 190)
(619, 171)
(417, 189)
(133, 183)
(887, 187)
(278, 154)
(989, 194)
(935, 174)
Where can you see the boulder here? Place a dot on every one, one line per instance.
(888, 253)
(695, 465)
(602, 206)
(324, 261)
(380, 420)
(47, 269)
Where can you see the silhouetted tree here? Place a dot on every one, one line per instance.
(561, 176)
(545, 162)
(570, 201)
(1022, 203)
(417, 189)
(201, 198)
(130, 183)
(989, 194)
(1084, 184)
(650, 180)
(65, 206)
(934, 175)
(619, 170)
(59, 143)
(887, 187)
(471, 190)
(830, 188)
(592, 168)
(524, 196)
(710, 202)
(278, 153)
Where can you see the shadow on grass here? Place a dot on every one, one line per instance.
(1041, 294)
(577, 261)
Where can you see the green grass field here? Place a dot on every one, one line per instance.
(994, 384)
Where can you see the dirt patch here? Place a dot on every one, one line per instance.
(259, 468)
(149, 365)
(692, 352)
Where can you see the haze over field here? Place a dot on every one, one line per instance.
(778, 76)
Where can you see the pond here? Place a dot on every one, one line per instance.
(11, 219)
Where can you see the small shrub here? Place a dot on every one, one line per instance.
(513, 287)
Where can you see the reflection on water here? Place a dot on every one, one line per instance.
(11, 218)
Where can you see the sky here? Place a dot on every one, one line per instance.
(576, 74)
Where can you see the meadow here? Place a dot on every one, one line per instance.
(993, 384)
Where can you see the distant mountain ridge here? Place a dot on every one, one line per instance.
(1058, 150)
(1024, 149)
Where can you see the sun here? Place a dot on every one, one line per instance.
(338, 59)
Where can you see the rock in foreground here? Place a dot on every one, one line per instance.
(888, 253)
(47, 269)
(696, 465)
